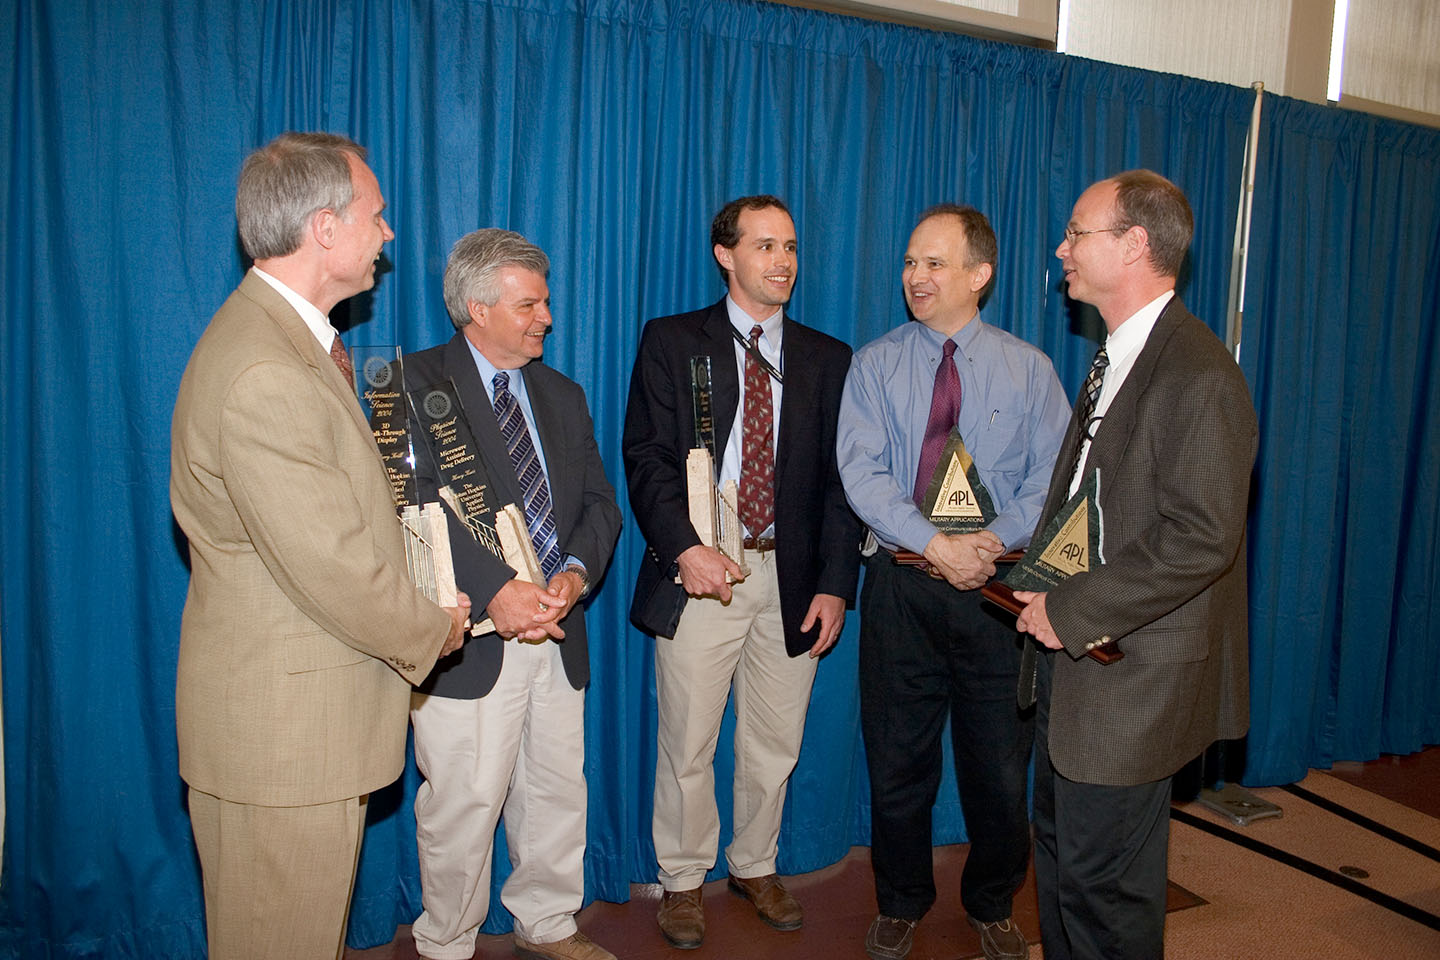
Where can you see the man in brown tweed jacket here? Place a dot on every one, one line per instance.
(1173, 437)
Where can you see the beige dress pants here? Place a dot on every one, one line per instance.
(716, 645)
(519, 749)
(277, 879)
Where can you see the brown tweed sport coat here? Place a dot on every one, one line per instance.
(1174, 451)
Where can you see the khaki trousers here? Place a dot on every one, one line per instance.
(520, 750)
(716, 645)
(277, 879)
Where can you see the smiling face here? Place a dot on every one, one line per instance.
(940, 289)
(359, 233)
(1092, 261)
(761, 265)
(511, 332)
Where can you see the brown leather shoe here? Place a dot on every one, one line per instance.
(682, 918)
(772, 901)
(1001, 939)
(577, 946)
(889, 938)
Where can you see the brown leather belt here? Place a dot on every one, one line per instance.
(760, 544)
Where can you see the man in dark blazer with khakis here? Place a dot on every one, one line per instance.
(302, 632)
(1171, 432)
(500, 727)
(775, 397)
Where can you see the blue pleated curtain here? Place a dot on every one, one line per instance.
(609, 133)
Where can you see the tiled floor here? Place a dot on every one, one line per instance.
(840, 900)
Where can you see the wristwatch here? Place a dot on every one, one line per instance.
(579, 571)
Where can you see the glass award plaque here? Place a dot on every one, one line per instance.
(378, 383)
(1072, 542)
(464, 485)
(714, 511)
(955, 501)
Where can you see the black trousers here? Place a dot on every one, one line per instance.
(929, 653)
(1100, 857)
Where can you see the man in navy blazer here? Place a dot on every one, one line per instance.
(1172, 435)
(800, 547)
(503, 727)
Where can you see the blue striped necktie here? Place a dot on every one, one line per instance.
(539, 515)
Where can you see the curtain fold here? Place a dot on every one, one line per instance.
(609, 132)
(1342, 354)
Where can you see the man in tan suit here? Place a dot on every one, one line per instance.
(302, 633)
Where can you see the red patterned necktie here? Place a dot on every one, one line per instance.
(341, 356)
(757, 457)
(944, 414)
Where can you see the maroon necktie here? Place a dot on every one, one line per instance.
(757, 456)
(341, 356)
(944, 413)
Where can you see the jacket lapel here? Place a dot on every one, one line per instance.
(308, 348)
(800, 383)
(480, 414)
(1113, 435)
(550, 434)
(724, 382)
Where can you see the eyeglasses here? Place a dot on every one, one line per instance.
(1072, 235)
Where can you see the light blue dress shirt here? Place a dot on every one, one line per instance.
(522, 397)
(1013, 415)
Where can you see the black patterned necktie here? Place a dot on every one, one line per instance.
(1089, 396)
(539, 515)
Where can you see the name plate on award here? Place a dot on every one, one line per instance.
(956, 501)
(1071, 543)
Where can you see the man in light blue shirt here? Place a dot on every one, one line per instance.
(927, 646)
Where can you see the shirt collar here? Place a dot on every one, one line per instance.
(1131, 335)
(964, 338)
(318, 323)
(742, 322)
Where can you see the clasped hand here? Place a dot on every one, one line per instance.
(965, 560)
(523, 611)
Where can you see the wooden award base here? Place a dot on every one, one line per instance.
(1004, 597)
(907, 559)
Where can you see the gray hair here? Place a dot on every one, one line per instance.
(473, 270)
(285, 183)
(1145, 198)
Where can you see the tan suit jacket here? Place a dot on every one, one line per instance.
(302, 634)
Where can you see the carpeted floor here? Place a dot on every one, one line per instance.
(1350, 871)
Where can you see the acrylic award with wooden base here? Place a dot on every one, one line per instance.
(956, 501)
(1072, 542)
(464, 486)
(714, 511)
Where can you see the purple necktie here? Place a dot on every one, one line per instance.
(944, 413)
